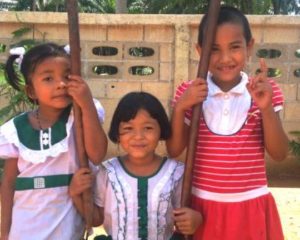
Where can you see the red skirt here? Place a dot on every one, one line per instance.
(255, 219)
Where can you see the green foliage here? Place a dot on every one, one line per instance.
(295, 144)
(97, 6)
(16, 102)
(196, 6)
(21, 31)
(159, 6)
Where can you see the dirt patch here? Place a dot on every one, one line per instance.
(288, 203)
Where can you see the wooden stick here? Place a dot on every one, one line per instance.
(74, 40)
(209, 36)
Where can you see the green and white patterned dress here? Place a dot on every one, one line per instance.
(139, 207)
(42, 208)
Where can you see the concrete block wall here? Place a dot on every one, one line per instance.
(173, 39)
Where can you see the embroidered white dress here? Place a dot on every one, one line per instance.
(43, 213)
(139, 207)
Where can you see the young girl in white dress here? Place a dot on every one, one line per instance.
(137, 195)
(39, 147)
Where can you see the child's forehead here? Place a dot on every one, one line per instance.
(141, 115)
(232, 25)
(53, 63)
(229, 30)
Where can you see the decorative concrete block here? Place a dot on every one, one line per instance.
(166, 52)
(119, 89)
(151, 46)
(166, 71)
(130, 77)
(161, 90)
(289, 91)
(118, 46)
(98, 87)
(292, 111)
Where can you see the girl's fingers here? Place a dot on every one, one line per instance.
(178, 211)
(84, 170)
(75, 78)
(256, 82)
(198, 81)
(263, 67)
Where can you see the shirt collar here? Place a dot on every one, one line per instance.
(239, 89)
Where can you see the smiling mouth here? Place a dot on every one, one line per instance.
(227, 68)
(139, 146)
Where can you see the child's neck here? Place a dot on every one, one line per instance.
(227, 86)
(142, 167)
(41, 119)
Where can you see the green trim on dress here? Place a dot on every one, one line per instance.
(143, 207)
(142, 184)
(30, 137)
(164, 160)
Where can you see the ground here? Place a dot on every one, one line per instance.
(288, 202)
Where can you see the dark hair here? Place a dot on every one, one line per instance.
(128, 107)
(30, 61)
(227, 15)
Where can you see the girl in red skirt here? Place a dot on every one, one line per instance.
(239, 122)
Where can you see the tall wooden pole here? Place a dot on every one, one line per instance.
(208, 40)
(74, 40)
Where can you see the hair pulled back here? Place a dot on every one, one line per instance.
(31, 59)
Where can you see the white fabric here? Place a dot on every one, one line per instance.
(43, 213)
(230, 197)
(226, 112)
(8, 133)
(116, 191)
(20, 51)
(67, 49)
(10, 146)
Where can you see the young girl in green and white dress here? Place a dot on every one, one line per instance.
(137, 195)
(39, 147)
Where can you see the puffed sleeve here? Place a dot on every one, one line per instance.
(8, 138)
(277, 99)
(176, 199)
(100, 186)
(178, 93)
(100, 110)
(178, 178)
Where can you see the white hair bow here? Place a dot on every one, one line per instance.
(67, 49)
(19, 51)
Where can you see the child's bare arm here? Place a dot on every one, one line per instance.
(81, 181)
(94, 136)
(7, 195)
(195, 93)
(95, 139)
(180, 131)
(276, 141)
(187, 220)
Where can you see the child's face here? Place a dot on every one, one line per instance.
(139, 136)
(49, 83)
(229, 55)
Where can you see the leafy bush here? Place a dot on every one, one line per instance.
(15, 101)
(295, 144)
